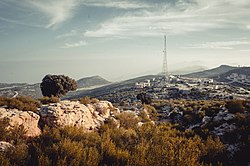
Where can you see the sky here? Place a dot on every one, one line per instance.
(119, 39)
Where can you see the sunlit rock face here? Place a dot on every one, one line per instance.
(73, 113)
(29, 120)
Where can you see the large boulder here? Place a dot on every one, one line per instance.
(102, 108)
(29, 120)
(73, 113)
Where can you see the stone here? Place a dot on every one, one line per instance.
(73, 113)
(103, 108)
(224, 128)
(222, 115)
(28, 119)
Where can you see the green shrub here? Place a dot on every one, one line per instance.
(152, 112)
(85, 100)
(128, 119)
(214, 151)
(22, 103)
(47, 100)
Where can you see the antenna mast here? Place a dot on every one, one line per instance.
(165, 65)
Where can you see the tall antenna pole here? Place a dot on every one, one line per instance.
(165, 65)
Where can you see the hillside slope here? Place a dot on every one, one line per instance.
(212, 72)
(241, 70)
(91, 81)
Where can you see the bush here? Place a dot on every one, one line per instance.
(214, 150)
(234, 106)
(152, 112)
(17, 155)
(128, 120)
(47, 100)
(85, 100)
(22, 103)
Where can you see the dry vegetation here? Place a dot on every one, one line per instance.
(147, 145)
(128, 143)
(21, 103)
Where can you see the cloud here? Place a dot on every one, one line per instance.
(20, 22)
(76, 44)
(116, 4)
(68, 34)
(29, 12)
(178, 18)
(57, 11)
(219, 45)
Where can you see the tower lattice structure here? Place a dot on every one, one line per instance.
(165, 61)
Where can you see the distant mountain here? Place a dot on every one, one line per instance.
(91, 81)
(11, 85)
(215, 72)
(240, 70)
(188, 69)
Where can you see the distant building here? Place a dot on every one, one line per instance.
(207, 82)
(141, 85)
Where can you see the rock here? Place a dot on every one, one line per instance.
(205, 120)
(29, 120)
(140, 124)
(5, 145)
(232, 149)
(91, 108)
(73, 113)
(222, 115)
(103, 108)
(224, 128)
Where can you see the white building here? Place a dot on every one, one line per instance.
(140, 85)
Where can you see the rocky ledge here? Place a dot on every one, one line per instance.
(74, 113)
(63, 113)
(29, 120)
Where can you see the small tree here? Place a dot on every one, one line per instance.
(57, 85)
(145, 98)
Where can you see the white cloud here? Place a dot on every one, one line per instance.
(116, 4)
(76, 44)
(20, 22)
(66, 35)
(57, 11)
(219, 45)
(182, 18)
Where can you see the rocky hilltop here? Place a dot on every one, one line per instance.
(74, 113)
(63, 113)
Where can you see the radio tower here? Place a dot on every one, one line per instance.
(165, 64)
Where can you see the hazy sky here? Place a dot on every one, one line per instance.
(119, 39)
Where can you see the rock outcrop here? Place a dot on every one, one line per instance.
(74, 113)
(28, 119)
(5, 145)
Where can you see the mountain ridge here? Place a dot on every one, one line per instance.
(210, 73)
(91, 81)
